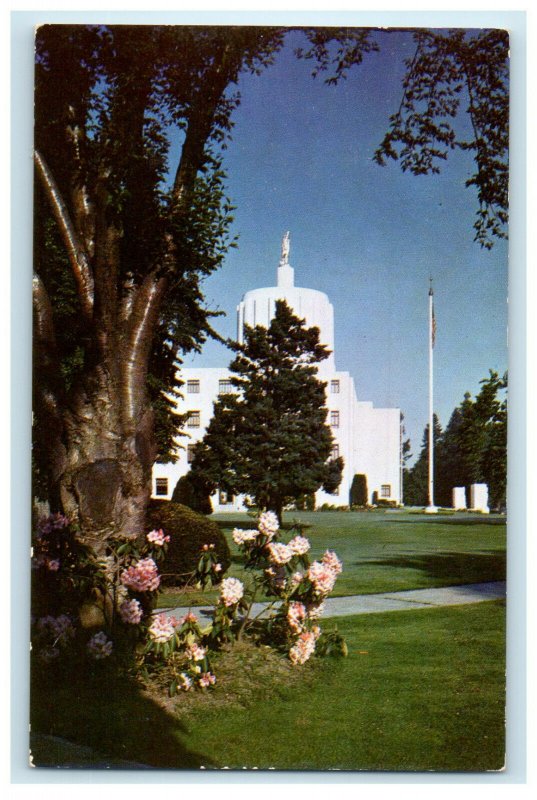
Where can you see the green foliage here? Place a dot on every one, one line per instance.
(447, 69)
(270, 439)
(189, 492)
(106, 99)
(358, 493)
(415, 480)
(189, 532)
(472, 449)
(305, 502)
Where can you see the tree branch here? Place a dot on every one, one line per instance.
(143, 321)
(77, 256)
(201, 120)
(47, 386)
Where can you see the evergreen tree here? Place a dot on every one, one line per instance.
(455, 456)
(472, 449)
(491, 410)
(270, 440)
(416, 480)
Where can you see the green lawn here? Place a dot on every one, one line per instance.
(389, 551)
(420, 690)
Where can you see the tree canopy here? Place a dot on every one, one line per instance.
(471, 449)
(270, 440)
(126, 228)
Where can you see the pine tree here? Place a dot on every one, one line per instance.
(415, 489)
(270, 440)
(472, 448)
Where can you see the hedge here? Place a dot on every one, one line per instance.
(189, 531)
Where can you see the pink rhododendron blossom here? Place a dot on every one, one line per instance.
(315, 610)
(296, 579)
(157, 537)
(54, 522)
(206, 679)
(299, 545)
(142, 576)
(207, 547)
(195, 653)
(185, 682)
(131, 612)
(322, 577)
(99, 646)
(277, 577)
(303, 648)
(161, 629)
(268, 524)
(59, 629)
(242, 537)
(331, 560)
(296, 614)
(279, 553)
(52, 564)
(231, 591)
(190, 617)
(217, 567)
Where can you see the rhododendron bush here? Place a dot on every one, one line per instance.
(296, 586)
(100, 611)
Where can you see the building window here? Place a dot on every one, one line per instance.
(225, 498)
(194, 419)
(193, 387)
(386, 490)
(335, 451)
(190, 453)
(334, 419)
(225, 387)
(161, 487)
(334, 387)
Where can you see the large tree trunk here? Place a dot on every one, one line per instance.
(97, 438)
(106, 481)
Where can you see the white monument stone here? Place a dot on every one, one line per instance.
(459, 498)
(479, 497)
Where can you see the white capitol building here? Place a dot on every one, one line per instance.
(368, 438)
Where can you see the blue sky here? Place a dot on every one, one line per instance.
(368, 236)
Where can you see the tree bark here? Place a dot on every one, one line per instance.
(99, 436)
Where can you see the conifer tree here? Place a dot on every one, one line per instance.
(415, 489)
(270, 440)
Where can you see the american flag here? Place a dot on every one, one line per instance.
(433, 328)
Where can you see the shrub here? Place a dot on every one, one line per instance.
(358, 493)
(189, 492)
(383, 502)
(189, 531)
(306, 502)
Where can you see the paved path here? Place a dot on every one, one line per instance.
(390, 601)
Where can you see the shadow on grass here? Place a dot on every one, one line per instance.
(114, 718)
(450, 567)
(428, 519)
(243, 525)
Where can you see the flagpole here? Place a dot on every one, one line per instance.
(431, 508)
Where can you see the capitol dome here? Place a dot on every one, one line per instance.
(257, 307)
